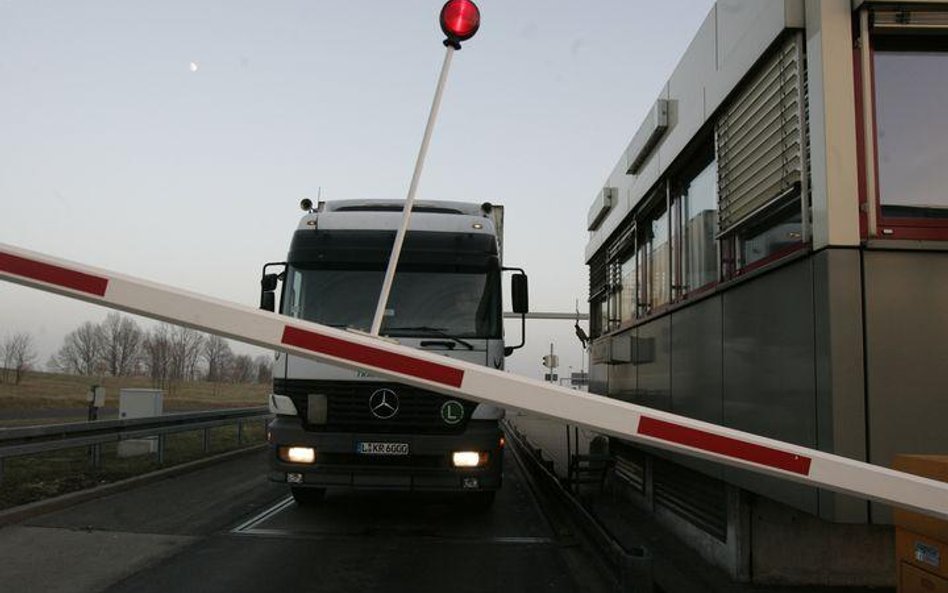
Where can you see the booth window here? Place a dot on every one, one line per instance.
(779, 234)
(659, 260)
(911, 90)
(700, 205)
(598, 313)
(760, 167)
(627, 301)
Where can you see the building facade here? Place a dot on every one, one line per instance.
(770, 253)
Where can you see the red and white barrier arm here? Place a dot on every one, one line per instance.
(452, 377)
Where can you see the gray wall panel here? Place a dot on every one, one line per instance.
(622, 378)
(696, 361)
(654, 364)
(599, 379)
(769, 355)
(769, 371)
(840, 388)
(907, 352)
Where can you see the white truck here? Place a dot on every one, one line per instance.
(342, 428)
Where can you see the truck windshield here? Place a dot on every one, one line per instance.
(463, 304)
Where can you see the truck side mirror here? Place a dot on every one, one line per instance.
(520, 303)
(520, 293)
(268, 284)
(268, 300)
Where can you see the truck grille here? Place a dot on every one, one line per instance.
(348, 406)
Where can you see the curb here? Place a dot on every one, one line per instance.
(41, 507)
(631, 568)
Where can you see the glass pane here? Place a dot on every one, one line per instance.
(911, 97)
(460, 304)
(785, 233)
(604, 313)
(291, 301)
(701, 225)
(658, 263)
(627, 302)
(642, 277)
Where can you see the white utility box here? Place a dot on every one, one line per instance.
(139, 403)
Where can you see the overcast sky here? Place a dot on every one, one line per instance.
(173, 140)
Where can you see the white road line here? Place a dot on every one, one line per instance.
(263, 516)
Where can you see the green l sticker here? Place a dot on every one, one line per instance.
(452, 412)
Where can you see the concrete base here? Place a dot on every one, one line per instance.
(792, 547)
(767, 542)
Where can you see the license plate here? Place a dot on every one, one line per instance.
(382, 448)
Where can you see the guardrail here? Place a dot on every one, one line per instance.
(28, 440)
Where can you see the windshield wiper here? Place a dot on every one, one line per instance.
(432, 330)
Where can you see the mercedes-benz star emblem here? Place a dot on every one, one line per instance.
(383, 404)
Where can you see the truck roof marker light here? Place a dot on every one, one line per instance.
(460, 20)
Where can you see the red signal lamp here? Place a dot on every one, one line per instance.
(460, 20)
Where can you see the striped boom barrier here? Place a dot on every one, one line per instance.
(382, 357)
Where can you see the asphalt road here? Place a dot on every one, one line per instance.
(226, 529)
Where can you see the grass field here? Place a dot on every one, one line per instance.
(35, 477)
(52, 391)
(51, 398)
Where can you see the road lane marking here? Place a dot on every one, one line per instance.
(259, 518)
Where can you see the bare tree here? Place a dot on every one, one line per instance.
(264, 365)
(218, 356)
(18, 356)
(81, 352)
(156, 355)
(186, 347)
(121, 344)
(243, 369)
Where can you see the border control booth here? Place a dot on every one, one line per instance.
(770, 253)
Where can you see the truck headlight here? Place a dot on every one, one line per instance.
(298, 454)
(469, 458)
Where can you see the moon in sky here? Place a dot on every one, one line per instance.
(193, 66)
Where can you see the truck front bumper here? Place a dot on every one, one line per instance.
(427, 466)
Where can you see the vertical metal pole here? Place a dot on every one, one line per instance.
(95, 456)
(406, 212)
(551, 362)
(569, 458)
(206, 440)
(161, 449)
(868, 133)
(805, 223)
(1, 470)
(240, 432)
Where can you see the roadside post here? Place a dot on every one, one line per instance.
(96, 400)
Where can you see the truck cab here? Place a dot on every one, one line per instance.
(336, 427)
